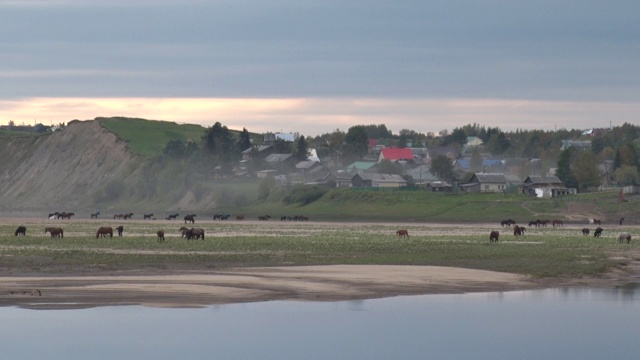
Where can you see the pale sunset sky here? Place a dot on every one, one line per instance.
(316, 66)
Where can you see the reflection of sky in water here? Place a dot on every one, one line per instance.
(548, 324)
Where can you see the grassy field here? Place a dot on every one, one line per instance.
(541, 253)
(422, 206)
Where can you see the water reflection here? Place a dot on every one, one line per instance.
(545, 324)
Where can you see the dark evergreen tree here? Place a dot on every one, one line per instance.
(302, 149)
(244, 140)
(563, 171)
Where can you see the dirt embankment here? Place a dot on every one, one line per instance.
(60, 171)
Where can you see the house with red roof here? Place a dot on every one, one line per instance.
(396, 154)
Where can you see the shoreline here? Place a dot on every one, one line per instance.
(298, 283)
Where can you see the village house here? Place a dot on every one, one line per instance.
(486, 182)
(280, 161)
(258, 152)
(378, 180)
(545, 186)
(396, 154)
(360, 167)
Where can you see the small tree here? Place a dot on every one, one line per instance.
(627, 175)
(585, 170)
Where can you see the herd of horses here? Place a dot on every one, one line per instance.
(60, 215)
(520, 230)
(199, 233)
(187, 218)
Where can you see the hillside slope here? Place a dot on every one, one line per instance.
(57, 171)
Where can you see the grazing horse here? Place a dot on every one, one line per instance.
(95, 215)
(183, 230)
(597, 232)
(624, 236)
(493, 236)
(402, 233)
(557, 223)
(594, 221)
(190, 218)
(147, 216)
(517, 230)
(240, 217)
(585, 231)
(264, 217)
(104, 231)
(21, 230)
(160, 234)
(120, 229)
(172, 217)
(54, 231)
(198, 233)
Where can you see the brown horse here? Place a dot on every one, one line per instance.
(190, 218)
(240, 217)
(518, 230)
(95, 215)
(54, 231)
(172, 217)
(104, 231)
(402, 233)
(147, 216)
(120, 229)
(585, 231)
(160, 236)
(493, 236)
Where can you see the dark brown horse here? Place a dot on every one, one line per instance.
(21, 230)
(585, 231)
(160, 234)
(95, 215)
(104, 231)
(54, 231)
(598, 232)
(402, 233)
(65, 215)
(240, 217)
(147, 216)
(172, 217)
(120, 229)
(493, 236)
(190, 218)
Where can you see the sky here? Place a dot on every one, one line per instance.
(316, 66)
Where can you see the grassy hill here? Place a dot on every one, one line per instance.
(149, 137)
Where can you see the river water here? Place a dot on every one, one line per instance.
(541, 324)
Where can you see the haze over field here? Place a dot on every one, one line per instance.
(313, 67)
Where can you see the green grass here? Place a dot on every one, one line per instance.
(148, 137)
(542, 253)
(422, 206)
